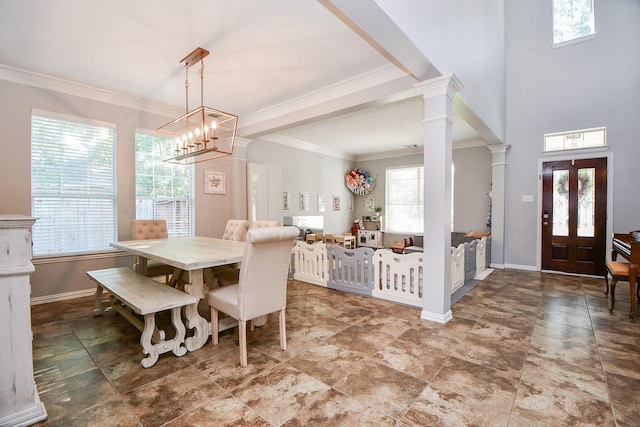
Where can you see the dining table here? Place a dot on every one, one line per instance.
(193, 255)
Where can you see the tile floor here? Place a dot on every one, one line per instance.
(523, 349)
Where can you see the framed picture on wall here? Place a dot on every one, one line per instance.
(215, 182)
(286, 201)
(321, 203)
(369, 203)
(305, 202)
(336, 203)
(349, 203)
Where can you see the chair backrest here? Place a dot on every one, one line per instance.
(264, 223)
(236, 229)
(263, 275)
(144, 229)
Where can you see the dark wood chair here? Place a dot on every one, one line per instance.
(618, 271)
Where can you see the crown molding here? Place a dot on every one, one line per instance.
(374, 78)
(302, 145)
(469, 143)
(42, 81)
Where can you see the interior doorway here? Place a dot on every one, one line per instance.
(574, 216)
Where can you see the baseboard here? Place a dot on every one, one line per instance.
(62, 297)
(521, 267)
(484, 274)
(436, 317)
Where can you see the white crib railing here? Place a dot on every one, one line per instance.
(310, 263)
(457, 267)
(350, 269)
(481, 256)
(381, 273)
(398, 277)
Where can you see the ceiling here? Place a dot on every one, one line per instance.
(265, 56)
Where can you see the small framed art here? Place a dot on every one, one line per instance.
(215, 182)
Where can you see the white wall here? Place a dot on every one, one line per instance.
(589, 84)
(472, 181)
(466, 38)
(306, 171)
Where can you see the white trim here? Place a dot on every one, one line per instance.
(520, 267)
(78, 257)
(63, 296)
(574, 41)
(379, 76)
(302, 145)
(72, 118)
(437, 317)
(588, 151)
(42, 81)
(468, 143)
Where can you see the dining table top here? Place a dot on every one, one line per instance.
(186, 253)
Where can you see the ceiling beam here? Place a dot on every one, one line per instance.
(370, 22)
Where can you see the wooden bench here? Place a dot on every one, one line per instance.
(145, 297)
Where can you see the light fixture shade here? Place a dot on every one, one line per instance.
(193, 138)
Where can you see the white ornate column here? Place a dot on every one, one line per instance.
(19, 401)
(498, 185)
(438, 94)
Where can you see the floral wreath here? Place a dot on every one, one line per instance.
(359, 181)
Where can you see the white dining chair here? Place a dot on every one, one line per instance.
(262, 284)
(236, 230)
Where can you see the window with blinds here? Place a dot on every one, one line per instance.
(163, 190)
(73, 192)
(405, 199)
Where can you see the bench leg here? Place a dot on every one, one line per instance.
(145, 341)
(97, 301)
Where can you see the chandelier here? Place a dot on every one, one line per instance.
(201, 134)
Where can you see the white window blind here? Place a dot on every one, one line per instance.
(404, 199)
(72, 184)
(163, 190)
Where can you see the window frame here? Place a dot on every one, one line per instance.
(574, 39)
(172, 228)
(420, 194)
(548, 136)
(70, 196)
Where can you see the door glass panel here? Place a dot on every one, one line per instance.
(560, 203)
(586, 202)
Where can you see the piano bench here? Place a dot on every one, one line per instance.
(618, 271)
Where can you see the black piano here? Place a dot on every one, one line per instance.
(627, 245)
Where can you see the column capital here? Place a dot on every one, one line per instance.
(445, 85)
(498, 148)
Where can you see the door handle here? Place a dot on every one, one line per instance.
(545, 223)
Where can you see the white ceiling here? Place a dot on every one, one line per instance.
(264, 55)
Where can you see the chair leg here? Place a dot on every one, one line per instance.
(214, 326)
(606, 283)
(613, 290)
(283, 330)
(242, 331)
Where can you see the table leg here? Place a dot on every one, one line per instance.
(194, 320)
